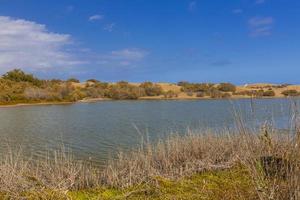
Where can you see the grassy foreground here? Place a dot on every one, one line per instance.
(234, 183)
(240, 165)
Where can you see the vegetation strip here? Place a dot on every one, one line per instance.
(19, 88)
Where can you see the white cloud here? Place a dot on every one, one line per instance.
(27, 44)
(109, 27)
(96, 17)
(192, 6)
(70, 8)
(260, 1)
(129, 54)
(261, 21)
(237, 11)
(261, 26)
(123, 57)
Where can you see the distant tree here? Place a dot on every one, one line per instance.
(56, 81)
(93, 81)
(73, 80)
(215, 93)
(170, 94)
(282, 85)
(122, 84)
(124, 90)
(76, 95)
(200, 94)
(226, 87)
(290, 93)
(269, 93)
(225, 95)
(195, 87)
(182, 83)
(258, 93)
(97, 89)
(190, 94)
(18, 75)
(151, 89)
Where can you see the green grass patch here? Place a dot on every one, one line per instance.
(230, 184)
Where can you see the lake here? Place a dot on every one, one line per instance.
(97, 131)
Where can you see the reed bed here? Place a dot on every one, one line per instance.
(271, 158)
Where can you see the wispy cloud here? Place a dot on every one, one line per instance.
(123, 57)
(96, 17)
(70, 8)
(192, 6)
(221, 63)
(27, 44)
(260, 1)
(109, 27)
(261, 26)
(237, 11)
(132, 54)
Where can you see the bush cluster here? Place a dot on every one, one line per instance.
(226, 87)
(170, 94)
(256, 93)
(195, 87)
(290, 93)
(151, 89)
(18, 75)
(269, 93)
(222, 90)
(17, 86)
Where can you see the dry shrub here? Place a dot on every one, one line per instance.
(195, 153)
(56, 173)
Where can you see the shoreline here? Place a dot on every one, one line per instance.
(95, 100)
(35, 104)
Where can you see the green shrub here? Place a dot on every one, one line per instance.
(151, 89)
(226, 87)
(190, 94)
(214, 93)
(269, 93)
(195, 87)
(251, 93)
(122, 92)
(290, 93)
(73, 80)
(258, 93)
(18, 75)
(200, 94)
(93, 81)
(170, 94)
(96, 90)
(244, 93)
(56, 81)
(225, 95)
(183, 83)
(122, 84)
(76, 95)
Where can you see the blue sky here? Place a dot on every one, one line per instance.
(240, 41)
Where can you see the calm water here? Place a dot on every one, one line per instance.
(97, 130)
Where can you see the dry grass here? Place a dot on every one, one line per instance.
(270, 158)
(57, 172)
(194, 153)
